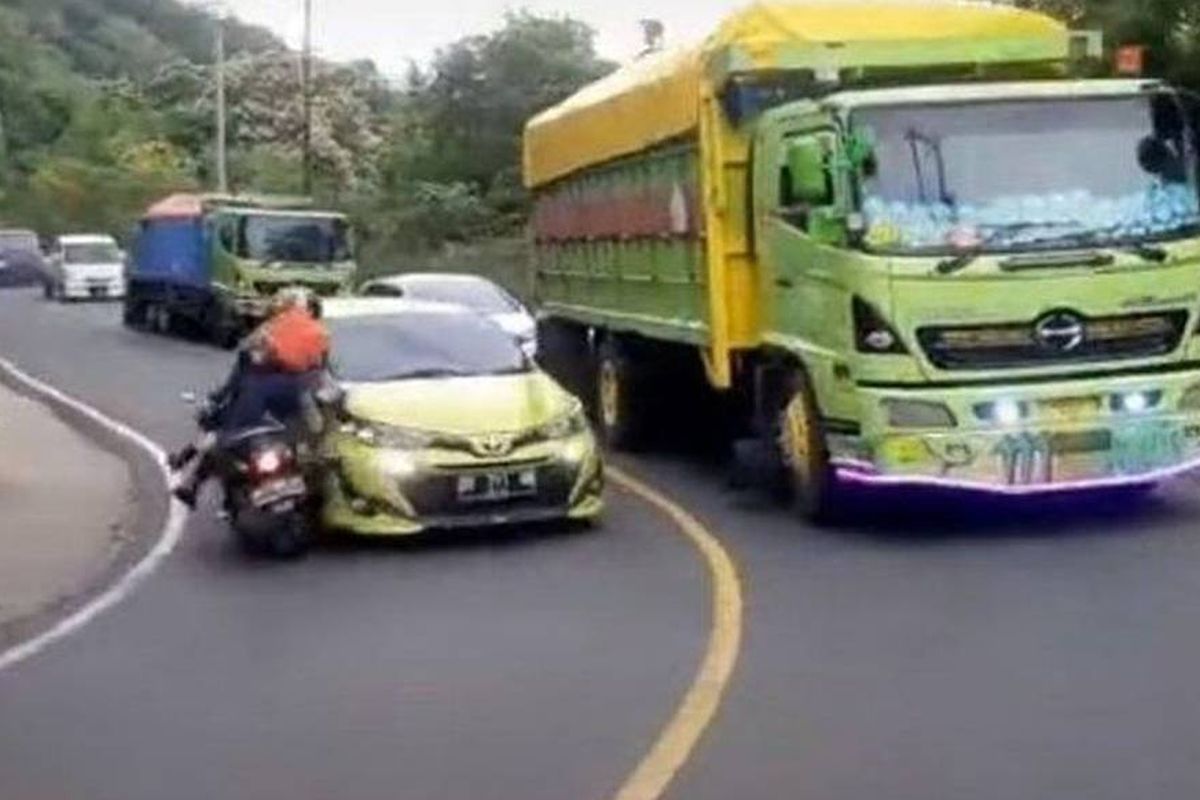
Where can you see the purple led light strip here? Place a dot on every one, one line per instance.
(863, 474)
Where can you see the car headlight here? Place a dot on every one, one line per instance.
(375, 434)
(570, 424)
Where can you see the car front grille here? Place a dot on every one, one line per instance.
(1019, 345)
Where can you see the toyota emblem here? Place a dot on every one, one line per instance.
(1061, 331)
(493, 446)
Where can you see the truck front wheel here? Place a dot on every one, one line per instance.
(223, 326)
(805, 455)
(616, 398)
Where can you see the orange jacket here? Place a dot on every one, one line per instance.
(295, 342)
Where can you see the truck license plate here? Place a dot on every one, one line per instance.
(496, 486)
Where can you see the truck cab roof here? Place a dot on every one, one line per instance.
(984, 92)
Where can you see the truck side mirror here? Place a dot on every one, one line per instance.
(810, 178)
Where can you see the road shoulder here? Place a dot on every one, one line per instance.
(72, 515)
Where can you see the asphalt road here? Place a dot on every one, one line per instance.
(939, 647)
(535, 665)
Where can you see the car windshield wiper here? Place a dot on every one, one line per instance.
(429, 372)
(515, 370)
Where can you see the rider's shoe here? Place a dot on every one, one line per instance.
(180, 459)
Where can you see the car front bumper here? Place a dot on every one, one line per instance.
(94, 289)
(380, 492)
(1069, 435)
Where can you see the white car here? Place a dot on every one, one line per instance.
(471, 291)
(85, 267)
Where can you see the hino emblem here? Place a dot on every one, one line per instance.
(1062, 331)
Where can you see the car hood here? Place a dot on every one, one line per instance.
(468, 406)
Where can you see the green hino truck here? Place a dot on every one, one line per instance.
(211, 263)
(901, 241)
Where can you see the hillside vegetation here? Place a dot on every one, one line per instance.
(108, 104)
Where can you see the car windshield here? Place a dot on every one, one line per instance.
(18, 242)
(91, 253)
(1029, 174)
(403, 346)
(294, 240)
(481, 296)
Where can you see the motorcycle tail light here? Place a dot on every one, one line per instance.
(269, 462)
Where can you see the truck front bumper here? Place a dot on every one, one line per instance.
(1029, 438)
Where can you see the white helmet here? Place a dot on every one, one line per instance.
(292, 297)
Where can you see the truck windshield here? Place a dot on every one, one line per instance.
(1014, 175)
(278, 239)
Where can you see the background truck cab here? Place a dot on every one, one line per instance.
(212, 264)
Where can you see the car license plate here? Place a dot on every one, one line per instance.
(497, 486)
(276, 491)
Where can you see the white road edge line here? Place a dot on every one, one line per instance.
(168, 538)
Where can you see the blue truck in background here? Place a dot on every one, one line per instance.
(209, 264)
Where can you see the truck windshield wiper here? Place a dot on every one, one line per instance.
(1155, 253)
(1147, 251)
(964, 259)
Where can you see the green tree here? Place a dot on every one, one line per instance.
(473, 103)
(1169, 29)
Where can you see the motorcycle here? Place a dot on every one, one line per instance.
(267, 493)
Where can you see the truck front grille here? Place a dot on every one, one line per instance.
(1013, 345)
(270, 288)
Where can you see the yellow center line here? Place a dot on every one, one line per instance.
(693, 716)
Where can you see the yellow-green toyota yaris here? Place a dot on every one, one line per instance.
(444, 422)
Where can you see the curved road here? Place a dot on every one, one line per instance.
(940, 647)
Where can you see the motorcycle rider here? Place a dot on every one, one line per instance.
(276, 366)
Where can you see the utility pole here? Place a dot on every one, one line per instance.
(306, 88)
(222, 160)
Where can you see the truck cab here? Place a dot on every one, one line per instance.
(994, 285)
(213, 263)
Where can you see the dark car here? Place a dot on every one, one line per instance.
(21, 262)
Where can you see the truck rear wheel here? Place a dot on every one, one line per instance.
(805, 455)
(617, 407)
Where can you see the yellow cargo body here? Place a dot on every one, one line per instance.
(676, 96)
